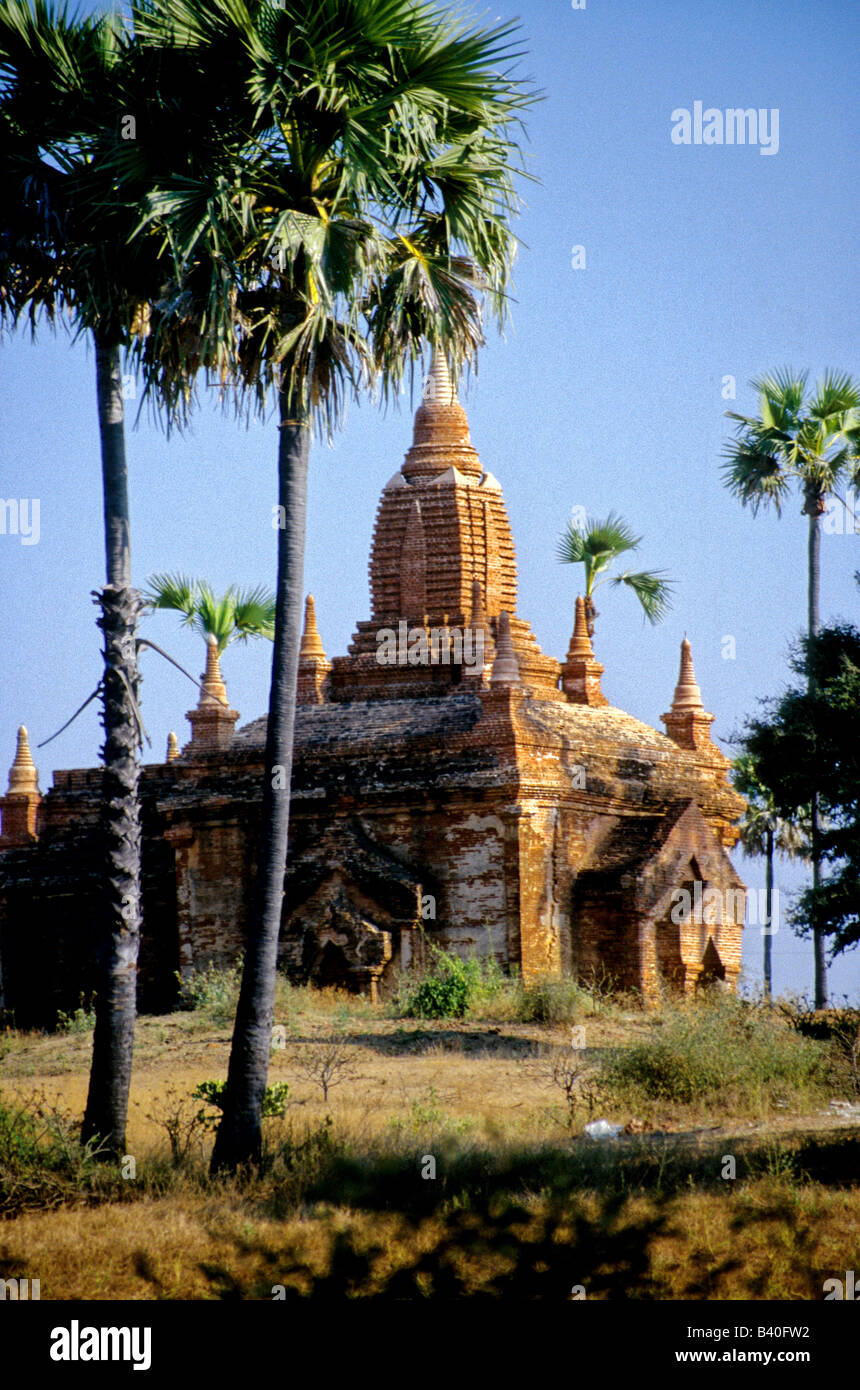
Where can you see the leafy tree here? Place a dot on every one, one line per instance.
(807, 741)
(360, 212)
(763, 834)
(596, 546)
(812, 440)
(236, 616)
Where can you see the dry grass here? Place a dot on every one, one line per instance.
(767, 1242)
(520, 1204)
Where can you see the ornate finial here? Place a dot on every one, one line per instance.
(213, 720)
(687, 693)
(687, 722)
(314, 665)
(172, 747)
(581, 672)
(580, 644)
(311, 644)
(19, 807)
(23, 777)
(438, 386)
(506, 670)
(478, 617)
(440, 436)
(214, 688)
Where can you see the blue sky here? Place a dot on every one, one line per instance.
(701, 262)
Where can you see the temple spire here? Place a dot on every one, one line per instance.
(172, 747)
(687, 693)
(687, 723)
(213, 721)
(314, 665)
(19, 807)
(581, 672)
(440, 436)
(311, 644)
(439, 389)
(214, 688)
(580, 642)
(506, 670)
(23, 777)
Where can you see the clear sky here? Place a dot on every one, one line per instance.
(702, 262)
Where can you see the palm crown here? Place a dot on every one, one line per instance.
(760, 819)
(359, 202)
(236, 616)
(596, 546)
(814, 440)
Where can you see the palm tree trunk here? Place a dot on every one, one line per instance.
(768, 933)
(239, 1137)
(119, 927)
(815, 510)
(590, 615)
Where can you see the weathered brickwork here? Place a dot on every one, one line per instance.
(502, 807)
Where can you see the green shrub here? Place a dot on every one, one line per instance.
(551, 1000)
(213, 992)
(274, 1100)
(718, 1050)
(446, 990)
(82, 1020)
(43, 1163)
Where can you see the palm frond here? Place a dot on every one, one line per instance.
(253, 613)
(599, 541)
(652, 590)
(177, 592)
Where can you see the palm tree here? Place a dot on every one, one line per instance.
(73, 171)
(763, 834)
(236, 616)
(596, 546)
(64, 84)
(364, 213)
(814, 441)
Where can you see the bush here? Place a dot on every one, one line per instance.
(718, 1050)
(551, 1000)
(43, 1163)
(82, 1020)
(274, 1100)
(450, 988)
(213, 992)
(446, 991)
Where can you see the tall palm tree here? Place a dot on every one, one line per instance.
(596, 546)
(87, 113)
(763, 834)
(236, 616)
(65, 82)
(364, 213)
(812, 440)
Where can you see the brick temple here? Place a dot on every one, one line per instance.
(451, 784)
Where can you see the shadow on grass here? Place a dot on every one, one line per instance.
(557, 1223)
(416, 1041)
(498, 1248)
